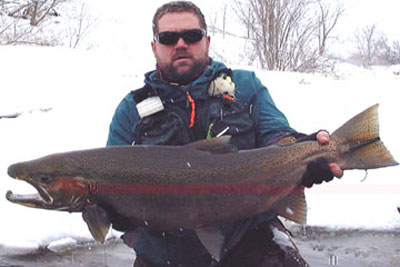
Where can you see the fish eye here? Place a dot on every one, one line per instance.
(44, 178)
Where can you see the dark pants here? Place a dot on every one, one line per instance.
(268, 245)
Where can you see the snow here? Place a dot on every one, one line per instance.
(75, 86)
(67, 98)
(61, 244)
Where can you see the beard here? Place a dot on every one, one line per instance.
(183, 72)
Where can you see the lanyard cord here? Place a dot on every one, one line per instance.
(193, 106)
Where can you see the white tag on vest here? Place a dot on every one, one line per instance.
(149, 106)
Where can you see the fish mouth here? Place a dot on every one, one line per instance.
(61, 193)
(42, 199)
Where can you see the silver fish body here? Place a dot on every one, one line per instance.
(195, 186)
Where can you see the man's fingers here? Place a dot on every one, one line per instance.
(336, 170)
(323, 137)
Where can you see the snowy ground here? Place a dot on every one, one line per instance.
(66, 99)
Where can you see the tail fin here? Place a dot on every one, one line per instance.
(367, 151)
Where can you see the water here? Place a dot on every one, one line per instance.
(319, 246)
(113, 254)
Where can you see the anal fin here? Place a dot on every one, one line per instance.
(212, 240)
(293, 207)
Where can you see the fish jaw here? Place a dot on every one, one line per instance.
(42, 199)
(61, 193)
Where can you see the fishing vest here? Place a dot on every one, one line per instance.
(165, 123)
(184, 120)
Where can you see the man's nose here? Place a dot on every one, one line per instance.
(181, 43)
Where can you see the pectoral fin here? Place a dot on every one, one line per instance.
(212, 239)
(97, 221)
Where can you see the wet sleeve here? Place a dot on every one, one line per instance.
(271, 123)
(123, 124)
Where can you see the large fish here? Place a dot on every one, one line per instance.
(196, 186)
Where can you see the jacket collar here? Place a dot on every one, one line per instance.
(197, 89)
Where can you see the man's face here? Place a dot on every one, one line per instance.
(181, 62)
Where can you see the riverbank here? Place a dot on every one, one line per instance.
(319, 246)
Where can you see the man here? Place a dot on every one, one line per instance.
(191, 97)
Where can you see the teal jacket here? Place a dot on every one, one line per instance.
(182, 247)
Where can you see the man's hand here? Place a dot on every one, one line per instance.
(323, 138)
(320, 170)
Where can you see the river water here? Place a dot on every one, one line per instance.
(319, 246)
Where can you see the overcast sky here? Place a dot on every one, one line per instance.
(383, 13)
(125, 14)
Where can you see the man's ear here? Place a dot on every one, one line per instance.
(208, 40)
(153, 47)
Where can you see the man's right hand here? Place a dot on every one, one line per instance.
(323, 138)
(320, 170)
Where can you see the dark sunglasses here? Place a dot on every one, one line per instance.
(171, 38)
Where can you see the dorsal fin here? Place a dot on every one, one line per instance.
(287, 141)
(293, 207)
(217, 145)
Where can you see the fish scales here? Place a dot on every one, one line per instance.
(197, 209)
(135, 165)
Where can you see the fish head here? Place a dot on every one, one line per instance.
(58, 181)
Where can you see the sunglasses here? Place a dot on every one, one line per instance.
(171, 38)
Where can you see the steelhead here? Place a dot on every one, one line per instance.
(197, 186)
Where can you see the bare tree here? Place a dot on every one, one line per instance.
(44, 22)
(224, 20)
(25, 22)
(396, 52)
(214, 21)
(387, 54)
(36, 11)
(366, 45)
(284, 32)
(374, 48)
(327, 22)
(19, 31)
(80, 24)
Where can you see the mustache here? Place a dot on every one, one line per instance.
(181, 53)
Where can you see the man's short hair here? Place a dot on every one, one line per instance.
(178, 6)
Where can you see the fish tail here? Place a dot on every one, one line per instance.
(365, 149)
